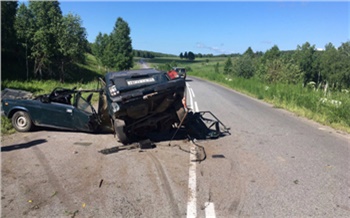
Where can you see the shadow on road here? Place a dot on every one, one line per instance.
(23, 145)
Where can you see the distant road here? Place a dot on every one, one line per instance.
(143, 64)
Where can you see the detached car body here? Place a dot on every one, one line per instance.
(61, 109)
(140, 101)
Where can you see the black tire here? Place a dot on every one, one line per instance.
(119, 126)
(21, 121)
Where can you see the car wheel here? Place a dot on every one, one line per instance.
(21, 121)
(119, 131)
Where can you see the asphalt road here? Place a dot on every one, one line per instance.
(274, 164)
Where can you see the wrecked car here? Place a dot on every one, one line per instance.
(140, 101)
(131, 104)
(61, 109)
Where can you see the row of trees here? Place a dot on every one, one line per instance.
(150, 54)
(114, 51)
(39, 40)
(306, 64)
(187, 55)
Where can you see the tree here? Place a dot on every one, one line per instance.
(72, 42)
(99, 47)
(24, 30)
(344, 75)
(216, 67)
(249, 52)
(271, 54)
(244, 66)
(282, 71)
(8, 33)
(47, 19)
(228, 66)
(120, 45)
(181, 55)
(8, 36)
(191, 56)
(304, 57)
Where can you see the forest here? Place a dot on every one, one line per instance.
(38, 42)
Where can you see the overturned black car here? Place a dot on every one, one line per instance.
(141, 101)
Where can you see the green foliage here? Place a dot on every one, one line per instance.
(191, 56)
(244, 66)
(9, 51)
(166, 66)
(46, 21)
(249, 53)
(216, 68)
(121, 45)
(72, 42)
(188, 55)
(8, 33)
(47, 44)
(305, 57)
(280, 70)
(6, 126)
(114, 51)
(228, 66)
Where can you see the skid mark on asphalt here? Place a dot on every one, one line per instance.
(53, 180)
(166, 186)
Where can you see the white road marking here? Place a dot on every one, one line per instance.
(209, 210)
(192, 185)
(193, 93)
(190, 96)
(192, 180)
(196, 107)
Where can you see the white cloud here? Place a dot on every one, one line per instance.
(216, 49)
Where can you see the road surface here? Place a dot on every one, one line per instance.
(274, 164)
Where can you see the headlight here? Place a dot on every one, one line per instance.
(115, 107)
(113, 90)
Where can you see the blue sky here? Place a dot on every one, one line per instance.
(218, 27)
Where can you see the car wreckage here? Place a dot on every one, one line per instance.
(130, 104)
